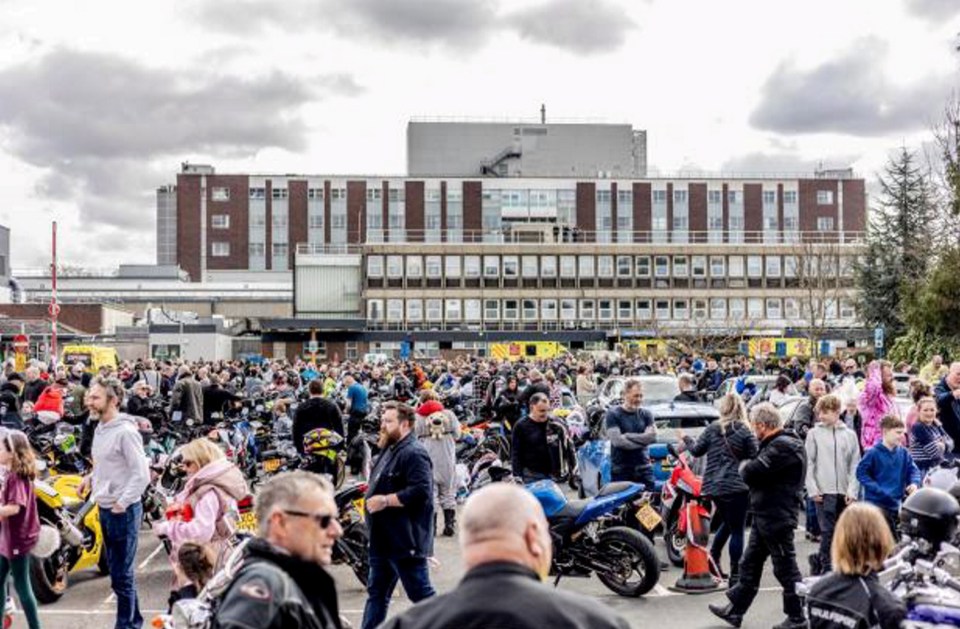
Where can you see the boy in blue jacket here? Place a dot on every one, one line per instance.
(887, 472)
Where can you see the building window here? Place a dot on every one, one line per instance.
(773, 309)
(662, 309)
(279, 193)
(700, 309)
(511, 309)
(491, 266)
(548, 309)
(643, 266)
(824, 223)
(414, 310)
(258, 193)
(790, 266)
(661, 266)
(755, 308)
(375, 266)
(258, 219)
(279, 249)
(735, 266)
(624, 266)
(587, 309)
(585, 266)
(769, 197)
(773, 266)
(605, 309)
(414, 267)
(754, 266)
(257, 249)
(734, 196)
(718, 309)
(220, 221)
(279, 220)
(220, 249)
(605, 266)
(510, 267)
(717, 266)
(529, 309)
(680, 309)
(644, 311)
(315, 194)
(395, 310)
(471, 309)
(824, 197)
(220, 194)
(471, 267)
(433, 265)
(789, 197)
(790, 309)
(315, 221)
(680, 266)
(528, 267)
(715, 197)
(548, 266)
(453, 309)
(847, 310)
(434, 310)
(624, 310)
(699, 266)
(568, 309)
(394, 267)
(452, 267)
(375, 310)
(491, 310)
(660, 196)
(737, 308)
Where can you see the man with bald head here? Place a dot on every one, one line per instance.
(506, 547)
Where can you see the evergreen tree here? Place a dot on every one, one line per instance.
(903, 230)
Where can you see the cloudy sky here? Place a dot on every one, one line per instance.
(101, 101)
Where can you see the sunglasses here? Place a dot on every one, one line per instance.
(323, 520)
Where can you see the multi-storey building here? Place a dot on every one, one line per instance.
(454, 263)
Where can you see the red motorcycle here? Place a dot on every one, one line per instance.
(680, 494)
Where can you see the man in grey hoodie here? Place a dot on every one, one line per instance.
(120, 475)
(833, 453)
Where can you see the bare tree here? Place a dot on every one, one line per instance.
(821, 278)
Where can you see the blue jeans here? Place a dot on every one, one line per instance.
(120, 543)
(384, 572)
(812, 521)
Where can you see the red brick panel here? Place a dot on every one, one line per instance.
(854, 206)
(670, 211)
(237, 208)
(697, 204)
(414, 209)
(385, 209)
(587, 210)
(472, 211)
(726, 213)
(613, 209)
(326, 211)
(188, 225)
(268, 247)
(297, 212)
(810, 210)
(753, 210)
(780, 207)
(356, 205)
(642, 211)
(85, 318)
(443, 211)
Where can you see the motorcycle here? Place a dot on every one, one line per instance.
(352, 547)
(587, 540)
(81, 541)
(678, 495)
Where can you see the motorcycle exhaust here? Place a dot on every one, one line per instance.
(68, 532)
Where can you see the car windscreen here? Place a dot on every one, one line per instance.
(659, 390)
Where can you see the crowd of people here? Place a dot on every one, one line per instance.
(847, 457)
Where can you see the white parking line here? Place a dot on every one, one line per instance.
(156, 551)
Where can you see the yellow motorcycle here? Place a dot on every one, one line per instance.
(81, 541)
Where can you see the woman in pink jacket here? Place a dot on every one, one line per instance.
(206, 510)
(876, 401)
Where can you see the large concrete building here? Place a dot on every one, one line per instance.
(457, 262)
(456, 148)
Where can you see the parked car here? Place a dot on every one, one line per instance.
(593, 457)
(762, 384)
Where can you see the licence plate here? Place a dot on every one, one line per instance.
(248, 523)
(360, 505)
(271, 465)
(648, 517)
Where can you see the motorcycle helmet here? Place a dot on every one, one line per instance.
(930, 514)
(321, 440)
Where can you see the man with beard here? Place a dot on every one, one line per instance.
(400, 515)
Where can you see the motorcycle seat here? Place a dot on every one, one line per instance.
(562, 521)
(614, 488)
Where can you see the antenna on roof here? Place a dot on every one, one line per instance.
(543, 114)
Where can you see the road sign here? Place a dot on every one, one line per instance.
(878, 338)
(312, 347)
(21, 343)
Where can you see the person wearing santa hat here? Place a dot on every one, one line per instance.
(438, 429)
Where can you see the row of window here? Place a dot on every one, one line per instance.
(604, 266)
(717, 309)
(537, 198)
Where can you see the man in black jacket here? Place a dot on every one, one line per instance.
(216, 399)
(506, 547)
(316, 412)
(400, 515)
(281, 583)
(530, 454)
(775, 479)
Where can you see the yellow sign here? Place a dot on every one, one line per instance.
(787, 347)
(20, 362)
(532, 350)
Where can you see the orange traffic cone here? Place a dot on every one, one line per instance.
(697, 577)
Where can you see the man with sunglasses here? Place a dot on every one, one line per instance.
(282, 582)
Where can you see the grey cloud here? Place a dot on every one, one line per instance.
(848, 95)
(784, 162)
(934, 10)
(581, 26)
(95, 122)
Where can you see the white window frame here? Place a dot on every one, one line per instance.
(220, 221)
(220, 193)
(219, 249)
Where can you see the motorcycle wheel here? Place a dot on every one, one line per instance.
(49, 577)
(674, 540)
(638, 566)
(356, 537)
